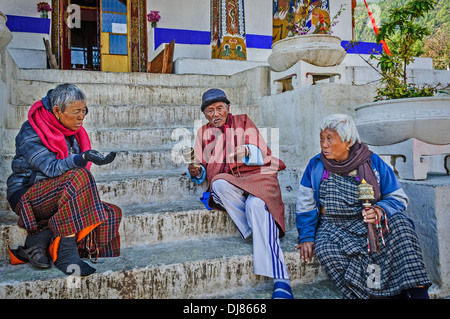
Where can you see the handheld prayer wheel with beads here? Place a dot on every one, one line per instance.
(189, 156)
(365, 194)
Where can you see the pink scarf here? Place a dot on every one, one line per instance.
(53, 133)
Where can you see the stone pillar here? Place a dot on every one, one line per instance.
(429, 208)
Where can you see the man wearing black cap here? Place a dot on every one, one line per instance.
(233, 157)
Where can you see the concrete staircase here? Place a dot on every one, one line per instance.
(172, 247)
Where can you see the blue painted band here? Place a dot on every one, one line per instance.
(363, 47)
(163, 35)
(259, 41)
(28, 24)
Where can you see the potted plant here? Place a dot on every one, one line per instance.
(43, 8)
(403, 110)
(308, 42)
(403, 32)
(153, 17)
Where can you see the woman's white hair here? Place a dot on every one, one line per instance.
(65, 94)
(343, 125)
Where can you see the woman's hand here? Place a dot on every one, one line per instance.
(306, 250)
(370, 214)
(97, 158)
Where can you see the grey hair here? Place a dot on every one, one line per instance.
(65, 94)
(344, 125)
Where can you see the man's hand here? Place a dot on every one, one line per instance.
(97, 158)
(194, 170)
(306, 250)
(239, 153)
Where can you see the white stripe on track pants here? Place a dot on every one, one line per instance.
(250, 214)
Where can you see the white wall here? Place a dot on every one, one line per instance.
(343, 28)
(258, 20)
(20, 7)
(27, 49)
(195, 15)
(184, 15)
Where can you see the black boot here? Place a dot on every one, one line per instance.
(68, 260)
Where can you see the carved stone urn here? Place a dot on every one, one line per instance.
(5, 34)
(323, 50)
(393, 121)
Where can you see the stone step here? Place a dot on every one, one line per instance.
(138, 150)
(139, 188)
(149, 79)
(196, 268)
(320, 288)
(132, 116)
(153, 223)
(164, 158)
(157, 186)
(148, 224)
(126, 162)
(121, 139)
(25, 92)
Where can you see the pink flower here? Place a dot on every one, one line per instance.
(153, 17)
(43, 6)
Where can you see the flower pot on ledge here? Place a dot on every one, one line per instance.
(323, 50)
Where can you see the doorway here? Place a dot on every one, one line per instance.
(100, 39)
(114, 39)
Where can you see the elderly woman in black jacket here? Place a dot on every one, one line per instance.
(53, 192)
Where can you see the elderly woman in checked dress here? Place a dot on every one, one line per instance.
(332, 222)
(53, 192)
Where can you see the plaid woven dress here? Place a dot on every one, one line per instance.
(69, 204)
(341, 246)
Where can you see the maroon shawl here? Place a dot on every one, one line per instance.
(359, 159)
(214, 145)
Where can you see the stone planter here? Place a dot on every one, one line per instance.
(317, 49)
(393, 121)
(5, 34)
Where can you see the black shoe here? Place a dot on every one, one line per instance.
(36, 255)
